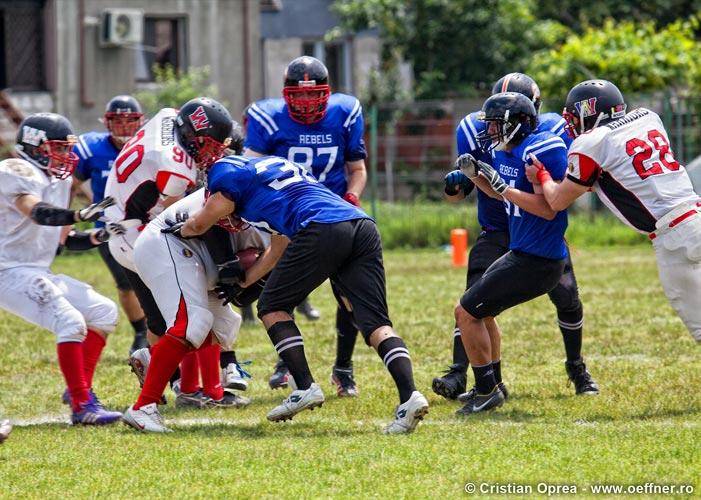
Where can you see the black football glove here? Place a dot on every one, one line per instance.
(231, 272)
(229, 294)
(108, 232)
(455, 180)
(174, 227)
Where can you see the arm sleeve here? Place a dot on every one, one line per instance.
(259, 130)
(355, 149)
(78, 241)
(228, 179)
(171, 183)
(582, 170)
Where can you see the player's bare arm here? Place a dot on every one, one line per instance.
(558, 195)
(357, 177)
(217, 206)
(266, 262)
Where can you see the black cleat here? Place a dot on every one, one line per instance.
(452, 383)
(343, 379)
(478, 403)
(308, 310)
(280, 377)
(465, 397)
(580, 377)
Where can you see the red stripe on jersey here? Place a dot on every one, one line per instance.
(588, 168)
(163, 177)
(180, 326)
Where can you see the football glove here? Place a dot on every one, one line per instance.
(93, 212)
(492, 177)
(108, 232)
(231, 272)
(174, 227)
(467, 164)
(456, 180)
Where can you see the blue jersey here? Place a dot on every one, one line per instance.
(323, 148)
(96, 154)
(277, 195)
(490, 211)
(530, 233)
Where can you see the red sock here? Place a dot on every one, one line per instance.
(166, 355)
(190, 373)
(92, 348)
(209, 368)
(70, 360)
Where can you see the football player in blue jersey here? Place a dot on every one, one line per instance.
(96, 152)
(537, 252)
(324, 133)
(493, 242)
(316, 236)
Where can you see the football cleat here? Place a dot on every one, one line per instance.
(5, 429)
(140, 342)
(308, 310)
(230, 400)
(233, 376)
(478, 403)
(92, 413)
(145, 419)
(466, 396)
(343, 379)
(196, 399)
(139, 361)
(297, 401)
(452, 383)
(408, 414)
(580, 377)
(280, 376)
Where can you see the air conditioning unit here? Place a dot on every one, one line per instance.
(121, 27)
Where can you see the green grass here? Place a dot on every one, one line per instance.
(645, 426)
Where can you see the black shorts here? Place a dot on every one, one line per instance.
(513, 279)
(116, 269)
(350, 254)
(154, 318)
(489, 246)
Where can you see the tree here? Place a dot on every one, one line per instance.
(174, 90)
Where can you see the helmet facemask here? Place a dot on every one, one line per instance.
(122, 126)
(499, 133)
(307, 102)
(205, 150)
(56, 156)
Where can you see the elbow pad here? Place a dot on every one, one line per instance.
(46, 214)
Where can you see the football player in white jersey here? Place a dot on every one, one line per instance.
(5, 429)
(34, 196)
(183, 277)
(627, 160)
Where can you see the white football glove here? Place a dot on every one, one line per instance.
(467, 164)
(92, 212)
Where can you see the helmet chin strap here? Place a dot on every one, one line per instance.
(31, 160)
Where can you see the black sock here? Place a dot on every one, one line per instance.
(484, 378)
(175, 376)
(571, 323)
(346, 333)
(139, 326)
(396, 358)
(289, 345)
(226, 358)
(497, 371)
(459, 355)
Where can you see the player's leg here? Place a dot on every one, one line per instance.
(489, 246)
(225, 327)
(190, 394)
(570, 318)
(346, 335)
(306, 309)
(513, 279)
(361, 279)
(33, 294)
(313, 255)
(127, 299)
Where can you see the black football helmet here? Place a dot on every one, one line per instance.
(237, 139)
(123, 117)
(47, 140)
(203, 127)
(521, 83)
(306, 90)
(510, 116)
(590, 104)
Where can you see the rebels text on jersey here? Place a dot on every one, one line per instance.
(277, 195)
(96, 154)
(23, 242)
(530, 233)
(322, 148)
(632, 169)
(150, 167)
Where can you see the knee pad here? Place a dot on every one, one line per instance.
(226, 328)
(68, 324)
(103, 316)
(199, 323)
(565, 298)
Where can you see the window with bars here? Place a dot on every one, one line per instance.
(22, 57)
(164, 44)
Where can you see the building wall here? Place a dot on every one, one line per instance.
(215, 37)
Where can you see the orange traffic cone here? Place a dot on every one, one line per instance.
(458, 239)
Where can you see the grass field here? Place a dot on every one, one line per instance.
(644, 427)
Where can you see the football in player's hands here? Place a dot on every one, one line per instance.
(92, 212)
(248, 257)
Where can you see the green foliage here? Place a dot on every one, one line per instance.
(174, 89)
(637, 57)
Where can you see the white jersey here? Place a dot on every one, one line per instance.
(22, 241)
(151, 167)
(631, 167)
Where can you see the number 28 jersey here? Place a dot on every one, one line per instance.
(277, 195)
(631, 167)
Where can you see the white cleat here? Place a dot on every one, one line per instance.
(139, 361)
(407, 415)
(297, 401)
(145, 419)
(5, 429)
(234, 377)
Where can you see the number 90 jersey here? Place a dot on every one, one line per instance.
(631, 167)
(322, 148)
(276, 195)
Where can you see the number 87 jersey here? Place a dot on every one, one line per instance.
(630, 165)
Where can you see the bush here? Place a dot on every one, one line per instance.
(173, 89)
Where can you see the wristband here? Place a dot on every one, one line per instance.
(543, 176)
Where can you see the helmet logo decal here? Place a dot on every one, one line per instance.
(199, 119)
(33, 136)
(586, 107)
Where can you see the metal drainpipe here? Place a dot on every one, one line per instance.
(84, 100)
(246, 56)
